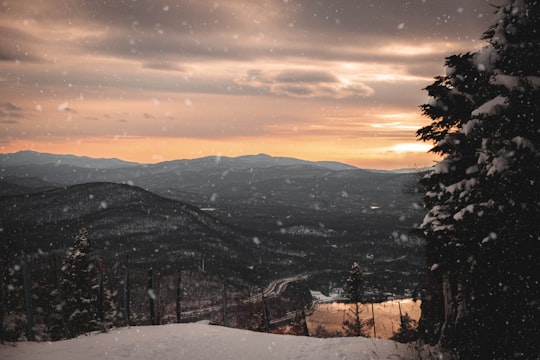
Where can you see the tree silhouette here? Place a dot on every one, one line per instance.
(483, 197)
(407, 331)
(354, 288)
(79, 286)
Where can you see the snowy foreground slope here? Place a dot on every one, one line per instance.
(201, 341)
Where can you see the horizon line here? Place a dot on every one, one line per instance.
(416, 168)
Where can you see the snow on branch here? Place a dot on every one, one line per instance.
(523, 143)
(491, 107)
(513, 82)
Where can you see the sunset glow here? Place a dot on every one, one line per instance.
(149, 80)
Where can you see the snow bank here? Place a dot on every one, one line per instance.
(202, 341)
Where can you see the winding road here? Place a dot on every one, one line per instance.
(274, 289)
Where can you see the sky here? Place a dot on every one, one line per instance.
(156, 80)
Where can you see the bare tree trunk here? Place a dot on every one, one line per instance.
(28, 299)
(127, 292)
(67, 334)
(157, 290)
(304, 323)
(2, 308)
(373, 316)
(4, 268)
(357, 324)
(265, 314)
(152, 296)
(225, 320)
(449, 309)
(101, 317)
(178, 296)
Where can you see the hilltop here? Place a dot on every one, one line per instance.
(203, 342)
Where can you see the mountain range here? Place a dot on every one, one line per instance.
(260, 160)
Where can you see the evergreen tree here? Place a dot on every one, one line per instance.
(14, 320)
(79, 286)
(483, 197)
(57, 324)
(107, 305)
(47, 319)
(354, 288)
(406, 332)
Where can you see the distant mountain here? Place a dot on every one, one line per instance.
(122, 220)
(10, 185)
(235, 185)
(22, 158)
(220, 181)
(263, 160)
(245, 188)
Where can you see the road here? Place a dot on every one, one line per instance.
(276, 287)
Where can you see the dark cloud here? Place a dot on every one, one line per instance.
(17, 45)
(301, 28)
(303, 76)
(8, 121)
(180, 16)
(9, 112)
(453, 18)
(8, 106)
(303, 84)
(163, 65)
(421, 19)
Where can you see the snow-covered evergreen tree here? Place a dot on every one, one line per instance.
(109, 309)
(14, 319)
(483, 197)
(79, 286)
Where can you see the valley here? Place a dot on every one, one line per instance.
(247, 220)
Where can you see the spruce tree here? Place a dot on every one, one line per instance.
(406, 332)
(483, 197)
(79, 286)
(354, 288)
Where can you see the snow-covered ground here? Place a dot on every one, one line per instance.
(321, 298)
(202, 341)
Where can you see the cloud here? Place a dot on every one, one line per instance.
(8, 121)
(227, 69)
(303, 83)
(18, 45)
(8, 106)
(187, 31)
(163, 65)
(344, 18)
(65, 107)
(9, 112)
(410, 147)
(304, 76)
(419, 19)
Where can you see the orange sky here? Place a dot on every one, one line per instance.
(156, 80)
